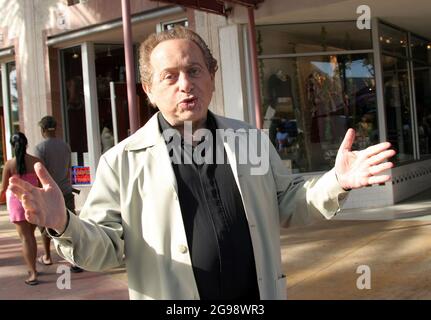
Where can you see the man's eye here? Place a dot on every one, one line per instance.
(194, 72)
(169, 76)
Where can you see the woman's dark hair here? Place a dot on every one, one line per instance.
(19, 144)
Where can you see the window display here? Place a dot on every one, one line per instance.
(311, 101)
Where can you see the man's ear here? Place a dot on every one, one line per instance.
(213, 82)
(147, 90)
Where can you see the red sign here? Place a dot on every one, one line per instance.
(81, 175)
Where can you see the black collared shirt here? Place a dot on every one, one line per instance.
(215, 223)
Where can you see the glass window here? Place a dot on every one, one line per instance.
(311, 37)
(310, 102)
(397, 105)
(421, 49)
(170, 25)
(393, 41)
(110, 66)
(74, 106)
(422, 76)
(13, 96)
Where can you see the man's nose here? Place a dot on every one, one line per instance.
(185, 82)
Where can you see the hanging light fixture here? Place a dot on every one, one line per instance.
(75, 55)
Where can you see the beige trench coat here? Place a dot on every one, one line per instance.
(133, 213)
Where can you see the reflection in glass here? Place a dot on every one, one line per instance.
(421, 49)
(393, 41)
(422, 76)
(397, 105)
(110, 66)
(74, 105)
(310, 102)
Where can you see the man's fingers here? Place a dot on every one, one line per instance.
(32, 218)
(28, 203)
(19, 187)
(43, 175)
(380, 157)
(377, 169)
(348, 140)
(379, 179)
(376, 149)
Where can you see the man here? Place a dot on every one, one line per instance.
(190, 229)
(55, 155)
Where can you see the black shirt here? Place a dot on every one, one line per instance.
(215, 223)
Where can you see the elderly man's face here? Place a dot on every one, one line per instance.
(181, 86)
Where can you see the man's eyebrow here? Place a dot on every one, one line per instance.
(170, 69)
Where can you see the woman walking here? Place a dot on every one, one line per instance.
(22, 165)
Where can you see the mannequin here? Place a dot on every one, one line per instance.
(279, 86)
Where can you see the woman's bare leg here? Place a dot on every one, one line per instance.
(29, 246)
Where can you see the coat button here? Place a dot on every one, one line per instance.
(182, 248)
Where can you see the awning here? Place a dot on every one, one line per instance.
(212, 6)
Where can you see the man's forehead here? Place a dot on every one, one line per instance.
(170, 51)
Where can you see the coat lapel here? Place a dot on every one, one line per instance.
(149, 137)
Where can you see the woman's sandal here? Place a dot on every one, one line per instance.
(32, 282)
(42, 261)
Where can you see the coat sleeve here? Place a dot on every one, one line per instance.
(303, 201)
(94, 240)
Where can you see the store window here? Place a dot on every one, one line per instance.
(110, 67)
(421, 53)
(310, 101)
(396, 91)
(168, 25)
(74, 106)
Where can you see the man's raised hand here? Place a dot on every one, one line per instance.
(356, 169)
(43, 206)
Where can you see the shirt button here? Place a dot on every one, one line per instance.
(182, 248)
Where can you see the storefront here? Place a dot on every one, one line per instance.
(319, 79)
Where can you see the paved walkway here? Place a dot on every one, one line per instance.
(85, 285)
(320, 261)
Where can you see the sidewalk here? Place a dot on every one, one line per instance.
(320, 261)
(85, 285)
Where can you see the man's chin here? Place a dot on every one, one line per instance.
(194, 114)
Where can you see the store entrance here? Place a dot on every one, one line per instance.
(112, 96)
(120, 113)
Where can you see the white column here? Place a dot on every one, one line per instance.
(231, 49)
(91, 106)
